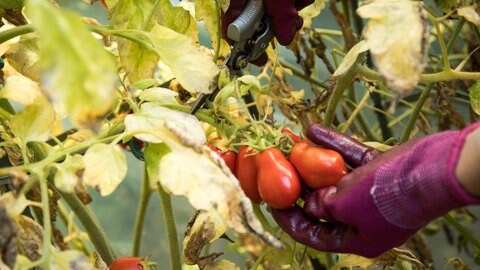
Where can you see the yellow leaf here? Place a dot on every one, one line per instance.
(193, 69)
(21, 89)
(156, 124)
(82, 75)
(209, 185)
(311, 11)
(470, 14)
(105, 167)
(35, 122)
(23, 56)
(396, 37)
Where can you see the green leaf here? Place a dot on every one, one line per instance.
(157, 124)
(66, 176)
(153, 153)
(105, 167)
(82, 73)
(159, 95)
(178, 19)
(351, 58)
(35, 122)
(11, 4)
(474, 93)
(145, 83)
(193, 69)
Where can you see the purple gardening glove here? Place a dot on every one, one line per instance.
(385, 199)
(283, 15)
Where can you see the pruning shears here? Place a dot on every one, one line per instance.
(251, 34)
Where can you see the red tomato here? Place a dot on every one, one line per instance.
(229, 157)
(278, 182)
(246, 173)
(292, 135)
(318, 167)
(129, 263)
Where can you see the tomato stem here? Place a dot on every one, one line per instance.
(15, 32)
(462, 230)
(145, 195)
(89, 221)
(47, 225)
(169, 219)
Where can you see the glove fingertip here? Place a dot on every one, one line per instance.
(301, 4)
(261, 60)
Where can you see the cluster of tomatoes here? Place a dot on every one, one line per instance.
(275, 178)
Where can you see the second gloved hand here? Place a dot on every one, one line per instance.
(283, 17)
(385, 199)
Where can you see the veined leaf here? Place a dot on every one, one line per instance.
(396, 37)
(474, 93)
(206, 11)
(82, 74)
(23, 56)
(70, 259)
(157, 124)
(105, 167)
(138, 61)
(194, 70)
(35, 122)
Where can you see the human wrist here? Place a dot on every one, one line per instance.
(468, 170)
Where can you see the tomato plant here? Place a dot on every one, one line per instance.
(295, 138)
(278, 182)
(317, 166)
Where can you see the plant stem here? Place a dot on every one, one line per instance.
(95, 232)
(15, 32)
(145, 195)
(261, 217)
(150, 15)
(171, 228)
(4, 114)
(356, 111)
(426, 92)
(464, 231)
(47, 225)
(296, 71)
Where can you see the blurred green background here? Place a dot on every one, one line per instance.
(117, 212)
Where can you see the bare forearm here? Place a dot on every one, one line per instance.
(468, 166)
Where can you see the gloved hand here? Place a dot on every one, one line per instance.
(283, 15)
(385, 199)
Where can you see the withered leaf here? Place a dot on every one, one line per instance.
(8, 240)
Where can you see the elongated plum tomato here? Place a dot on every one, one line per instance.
(129, 263)
(278, 182)
(246, 173)
(292, 135)
(318, 167)
(229, 157)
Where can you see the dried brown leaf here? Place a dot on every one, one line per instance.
(8, 239)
